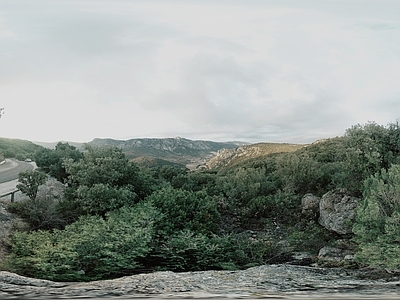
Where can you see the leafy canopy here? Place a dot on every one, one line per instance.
(29, 182)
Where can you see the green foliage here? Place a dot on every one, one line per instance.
(11, 148)
(296, 171)
(282, 206)
(125, 218)
(187, 250)
(41, 213)
(101, 198)
(29, 182)
(161, 170)
(100, 165)
(309, 236)
(370, 148)
(52, 161)
(244, 184)
(91, 248)
(377, 228)
(102, 181)
(182, 209)
(196, 181)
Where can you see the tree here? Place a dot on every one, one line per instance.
(1, 111)
(52, 161)
(29, 182)
(365, 152)
(104, 180)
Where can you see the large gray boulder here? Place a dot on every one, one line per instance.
(337, 211)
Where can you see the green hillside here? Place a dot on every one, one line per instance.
(16, 148)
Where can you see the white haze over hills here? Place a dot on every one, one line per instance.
(249, 70)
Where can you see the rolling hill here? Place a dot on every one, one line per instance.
(231, 157)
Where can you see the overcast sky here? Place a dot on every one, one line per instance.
(248, 70)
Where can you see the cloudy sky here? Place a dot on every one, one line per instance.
(248, 70)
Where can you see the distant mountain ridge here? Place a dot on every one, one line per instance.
(191, 153)
(176, 149)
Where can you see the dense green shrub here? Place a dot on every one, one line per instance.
(370, 148)
(187, 250)
(91, 248)
(245, 183)
(52, 161)
(197, 181)
(309, 236)
(101, 198)
(41, 213)
(102, 181)
(282, 206)
(185, 210)
(377, 227)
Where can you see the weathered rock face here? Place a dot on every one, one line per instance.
(338, 211)
(310, 205)
(231, 156)
(329, 253)
(52, 188)
(268, 281)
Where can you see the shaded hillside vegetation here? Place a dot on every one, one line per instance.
(118, 218)
(19, 149)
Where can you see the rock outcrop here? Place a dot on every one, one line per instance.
(310, 206)
(228, 157)
(268, 281)
(337, 211)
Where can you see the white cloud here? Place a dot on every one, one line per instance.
(254, 70)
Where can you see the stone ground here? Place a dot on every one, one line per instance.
(263, 282)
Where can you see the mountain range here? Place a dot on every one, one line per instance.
(191, 153)
(178, 150)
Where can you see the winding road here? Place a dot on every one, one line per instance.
(11, 168)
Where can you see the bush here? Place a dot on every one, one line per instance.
(102, 198)
(89, 249)
(377, 227)
(41, 213)
(190, 251)
(282, 206)
(309, 236)
(102, 181)
(182, 209)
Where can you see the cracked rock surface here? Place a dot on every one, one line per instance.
(268, 281)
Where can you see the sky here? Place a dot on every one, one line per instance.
(222, 70)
